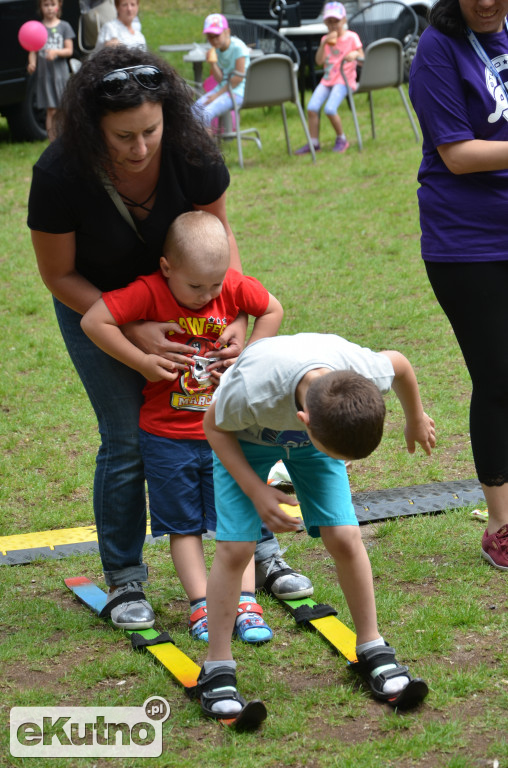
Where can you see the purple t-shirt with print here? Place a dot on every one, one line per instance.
(462, 217)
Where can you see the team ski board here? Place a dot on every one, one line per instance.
(184, 670)
(324, 619)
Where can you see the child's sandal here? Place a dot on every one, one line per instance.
(198, 624)
(218, 685)
(253, 628)
(377, 665)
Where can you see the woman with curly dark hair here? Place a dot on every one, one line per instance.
(87, 99)
(130, 157)
(458, 89)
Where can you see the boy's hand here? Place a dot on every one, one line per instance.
(267, 503)
(216, 370)
(422, 431)
(157, 368)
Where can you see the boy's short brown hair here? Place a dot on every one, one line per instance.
(346, 413)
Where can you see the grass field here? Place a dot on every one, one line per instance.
(338, 244)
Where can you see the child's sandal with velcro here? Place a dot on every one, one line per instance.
(250, 626)
(377, 665)
(218, 685)
(198, 624)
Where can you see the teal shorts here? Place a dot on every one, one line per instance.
(321, 485)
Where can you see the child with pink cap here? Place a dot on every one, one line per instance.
(229, 61)
(340, 44)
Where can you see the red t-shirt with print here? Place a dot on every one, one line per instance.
(175, 409)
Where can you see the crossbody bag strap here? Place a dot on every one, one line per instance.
(119, 204)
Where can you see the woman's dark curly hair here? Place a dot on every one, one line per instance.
(447, 18)
(84, 103)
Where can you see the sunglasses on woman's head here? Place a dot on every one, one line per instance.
(144, 74)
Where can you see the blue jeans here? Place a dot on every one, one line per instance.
(119, 499)
(222, 104)
(330, 96)
(115, 392)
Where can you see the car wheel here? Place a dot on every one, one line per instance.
(26, 121)
(410, 49)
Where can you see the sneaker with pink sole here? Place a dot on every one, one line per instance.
(340, 144)
(306, 149)
(495, 548)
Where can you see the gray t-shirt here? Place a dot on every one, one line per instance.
(257, 396)
(52, 76)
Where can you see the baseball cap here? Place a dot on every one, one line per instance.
(215, 23)
(334, 11)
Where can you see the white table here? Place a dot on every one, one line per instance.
(177, 48)
(193, 52)
(304, 30)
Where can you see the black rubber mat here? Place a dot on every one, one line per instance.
(369, 507)
(417, 500)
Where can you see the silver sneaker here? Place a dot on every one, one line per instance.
(129, 607)
(275, 576)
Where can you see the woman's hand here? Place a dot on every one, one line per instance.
(232, 341)
(151, 338)
(226, 357)
(228, 347)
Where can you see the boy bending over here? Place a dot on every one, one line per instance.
(313, 400)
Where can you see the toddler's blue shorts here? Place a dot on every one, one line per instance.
(179, 474)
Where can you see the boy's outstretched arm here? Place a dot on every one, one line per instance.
(268, 323)
(265, 499)
(100, 326)
(419, 427)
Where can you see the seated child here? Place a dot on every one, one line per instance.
(340, 44)
(194, 289)
(229, 61)
(313, 400)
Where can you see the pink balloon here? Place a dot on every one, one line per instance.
(32, 35)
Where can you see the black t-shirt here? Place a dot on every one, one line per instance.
(108, 251)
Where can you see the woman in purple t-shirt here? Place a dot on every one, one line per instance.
(458, 91)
